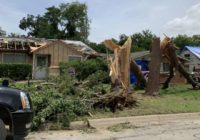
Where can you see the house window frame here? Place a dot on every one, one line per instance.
(187, 56)
(3, 57)
(77, 56)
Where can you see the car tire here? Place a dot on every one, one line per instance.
(2, 130)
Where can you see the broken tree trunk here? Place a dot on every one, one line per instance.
(169, 51)
(171, 75)
(154, 67)
(135, 69)
(120, 65)
(188, 77)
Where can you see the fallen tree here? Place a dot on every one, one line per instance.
(136, 70)
(169, 51)
(119, 73)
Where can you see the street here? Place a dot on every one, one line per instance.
(158, 127)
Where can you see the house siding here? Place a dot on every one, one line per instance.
(58, 52)
(194, 61)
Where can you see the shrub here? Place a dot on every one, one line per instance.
(15, 71)
(98, 77)
(84, 68)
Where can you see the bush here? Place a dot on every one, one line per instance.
(98, 77)
(84, 68)
(15, 71)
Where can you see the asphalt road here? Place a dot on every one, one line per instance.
(156, 127)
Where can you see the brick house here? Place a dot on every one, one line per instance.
(164, 69)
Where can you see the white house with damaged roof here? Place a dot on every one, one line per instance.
(192, 53)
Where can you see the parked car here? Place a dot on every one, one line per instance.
(15, 113)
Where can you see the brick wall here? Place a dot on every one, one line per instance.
(177, 79)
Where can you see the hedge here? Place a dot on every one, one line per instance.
(84, 68)
(15, 71)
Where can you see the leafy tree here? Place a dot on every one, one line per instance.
(196, 40)
(67, 21)
(16, 35)
(98, 47)
(140, 41)
(122, 39)
(2, 32)
(182, 40)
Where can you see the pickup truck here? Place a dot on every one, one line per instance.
(15, 113)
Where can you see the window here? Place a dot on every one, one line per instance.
(14, 58)
(41, 61)
(74, 58)
(187, 56)
(165, 67)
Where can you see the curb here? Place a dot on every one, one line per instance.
(137, 120)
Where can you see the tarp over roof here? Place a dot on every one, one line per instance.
(195, 50)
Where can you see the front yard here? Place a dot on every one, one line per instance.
(176, 99)
(58, 105)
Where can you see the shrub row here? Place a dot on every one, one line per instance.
(85, 68)
(15, 71)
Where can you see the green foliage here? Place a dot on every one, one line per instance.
(183, 40)
(49, 105)
(84, 68)
(68, 20)
(101, 48)
(140, 41)
(2, 32)
(15, 71)
(98, 77)
(62, 100)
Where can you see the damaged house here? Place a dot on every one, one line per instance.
(44, 55)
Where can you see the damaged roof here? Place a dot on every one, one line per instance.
(80, 46)
(195, 50)
(34, 44)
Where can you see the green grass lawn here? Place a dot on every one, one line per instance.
(176, 99)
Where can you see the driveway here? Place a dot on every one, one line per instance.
(154, 127)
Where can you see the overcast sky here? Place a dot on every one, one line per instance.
(110, 18)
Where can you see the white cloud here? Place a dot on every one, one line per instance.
(188, 24)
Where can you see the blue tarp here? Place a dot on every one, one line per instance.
(195, 50)
(144, 67)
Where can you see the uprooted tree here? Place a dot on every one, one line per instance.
(120, 65)
(119, 73)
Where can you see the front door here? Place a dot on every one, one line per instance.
(41, 69)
